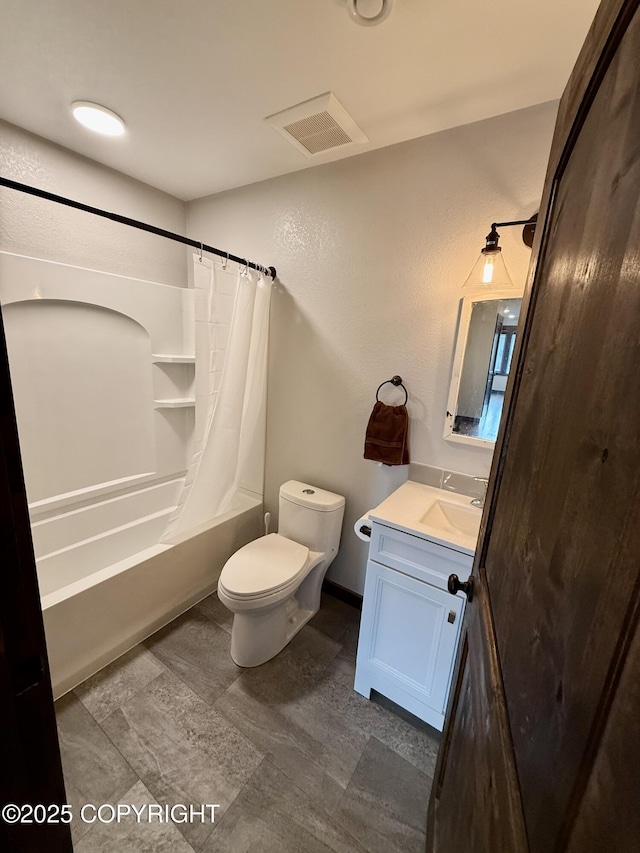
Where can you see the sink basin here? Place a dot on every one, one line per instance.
(447, 517)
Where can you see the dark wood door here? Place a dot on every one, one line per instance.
(30, 769)
(541, 750)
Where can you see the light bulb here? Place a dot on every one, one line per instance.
(487, 272)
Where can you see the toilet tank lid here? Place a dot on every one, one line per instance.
(310, 496)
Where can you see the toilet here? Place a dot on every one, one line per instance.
(273, 585)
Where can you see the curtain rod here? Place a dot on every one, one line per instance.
(134, 223)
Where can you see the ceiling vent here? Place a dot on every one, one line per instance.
(318, 125)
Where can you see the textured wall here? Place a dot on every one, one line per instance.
(42, 229)
(371, 254)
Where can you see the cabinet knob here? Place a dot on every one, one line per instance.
(454, 585)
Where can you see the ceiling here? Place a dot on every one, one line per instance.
(194, 79)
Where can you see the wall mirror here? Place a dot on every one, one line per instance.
(484, 351)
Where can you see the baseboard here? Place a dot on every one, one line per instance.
(344, 594)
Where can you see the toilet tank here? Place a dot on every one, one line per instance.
(311, 516)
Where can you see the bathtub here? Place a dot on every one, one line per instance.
(106, 583)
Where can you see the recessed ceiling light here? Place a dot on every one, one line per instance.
(97, 118)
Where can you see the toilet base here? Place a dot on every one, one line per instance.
(260, 633)
(256, 637)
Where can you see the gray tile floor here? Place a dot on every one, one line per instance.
(296, 760)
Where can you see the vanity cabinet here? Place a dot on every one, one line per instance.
(410, 623)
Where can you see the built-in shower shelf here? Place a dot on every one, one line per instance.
(176, 403)
(174, 359)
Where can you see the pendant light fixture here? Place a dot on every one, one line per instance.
(490, 270)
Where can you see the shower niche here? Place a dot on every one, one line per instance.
(174, 381)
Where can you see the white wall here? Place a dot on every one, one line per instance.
(42, 229)
(371, 254)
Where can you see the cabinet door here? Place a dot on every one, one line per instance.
(407, 640)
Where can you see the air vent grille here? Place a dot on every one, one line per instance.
(318, 125)
(318, 133)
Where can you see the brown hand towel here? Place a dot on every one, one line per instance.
(387, 438)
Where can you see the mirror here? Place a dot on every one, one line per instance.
(484, 351)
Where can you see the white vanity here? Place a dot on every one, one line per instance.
(410, 622)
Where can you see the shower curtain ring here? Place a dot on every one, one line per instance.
(245, 271)
(224, 262)
(200, 258)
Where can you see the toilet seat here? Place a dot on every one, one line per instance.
(263, 567)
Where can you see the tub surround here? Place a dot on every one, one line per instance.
(83, 348)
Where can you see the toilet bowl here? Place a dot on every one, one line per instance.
(273, 584)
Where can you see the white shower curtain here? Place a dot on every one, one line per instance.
(233, 422)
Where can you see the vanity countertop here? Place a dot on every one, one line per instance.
(440, 516)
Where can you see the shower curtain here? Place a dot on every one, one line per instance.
(232, 427)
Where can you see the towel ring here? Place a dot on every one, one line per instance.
(397, 381)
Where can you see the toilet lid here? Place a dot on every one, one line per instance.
(263, 566)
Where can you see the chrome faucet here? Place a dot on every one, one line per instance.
(479, 502)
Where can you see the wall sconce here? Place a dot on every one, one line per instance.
(490, 269)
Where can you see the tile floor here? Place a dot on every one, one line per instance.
(296, 760)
